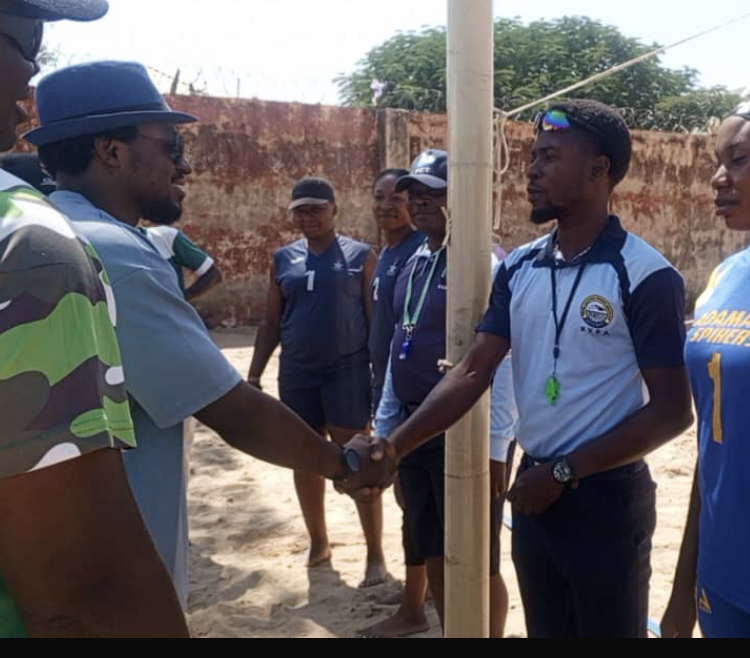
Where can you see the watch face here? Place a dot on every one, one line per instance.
(562, 473)
(352, 460)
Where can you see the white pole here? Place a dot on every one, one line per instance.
(470, 115)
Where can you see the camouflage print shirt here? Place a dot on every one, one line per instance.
(62, 389)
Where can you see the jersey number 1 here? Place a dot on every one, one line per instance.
(714, 370)
(311, 281)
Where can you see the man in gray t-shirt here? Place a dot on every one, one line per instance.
(123, 162)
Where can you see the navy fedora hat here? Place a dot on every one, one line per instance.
(55, 10)
(89, 99)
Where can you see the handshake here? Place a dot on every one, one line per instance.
(371, 468)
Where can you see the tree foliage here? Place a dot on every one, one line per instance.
(538, 59)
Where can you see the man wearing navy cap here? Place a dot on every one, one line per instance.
(419, 344)
(111, 142)
(75, 556)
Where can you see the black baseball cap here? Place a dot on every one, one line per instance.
(430, 169)
(55, 10)
(27, 167)
(312, 192)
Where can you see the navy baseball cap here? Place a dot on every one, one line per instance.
(27, 167)
(430, 169)
(55, 10)
(312, 192)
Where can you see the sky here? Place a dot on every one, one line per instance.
(291, 50)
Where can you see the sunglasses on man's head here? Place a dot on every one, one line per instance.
(560, 121)
(25, 34)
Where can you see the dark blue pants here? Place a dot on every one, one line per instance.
(584, 565)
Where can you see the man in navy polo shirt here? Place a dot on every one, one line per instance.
(595, 317)
(419, 344)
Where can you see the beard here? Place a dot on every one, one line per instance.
(541, 216)
(163, 213)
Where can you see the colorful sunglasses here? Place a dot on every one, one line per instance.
(559, 120)
(24, 33)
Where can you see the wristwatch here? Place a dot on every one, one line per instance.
(352, 463)
(562, 472)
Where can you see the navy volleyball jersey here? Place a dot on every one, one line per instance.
(390, 265)
(718, 358)
(324, 325)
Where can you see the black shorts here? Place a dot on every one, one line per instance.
(584, 565)
(339, 397)
(423, 491)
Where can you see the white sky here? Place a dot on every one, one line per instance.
(291, 50)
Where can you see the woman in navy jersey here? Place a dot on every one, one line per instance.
(712, 581)
(319, 310)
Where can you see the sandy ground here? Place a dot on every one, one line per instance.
(249, 543)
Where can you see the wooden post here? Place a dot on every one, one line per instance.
(470, 117)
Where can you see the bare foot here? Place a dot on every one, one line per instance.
(375, 574)
(319, 557)
(392, 598)
(397, 597)
(397, 626)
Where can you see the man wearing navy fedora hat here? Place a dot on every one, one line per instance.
(112, 145)
(75, 556)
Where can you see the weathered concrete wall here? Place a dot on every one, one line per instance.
(246, 157)
(247, 154)
(666, 198)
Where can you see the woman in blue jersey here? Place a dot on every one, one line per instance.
(712, 582)
(391, 212)
(319, 309)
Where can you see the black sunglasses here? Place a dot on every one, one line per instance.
(175, 147)
(24, 33)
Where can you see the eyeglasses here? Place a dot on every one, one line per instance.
(435, 196)
(25, 34)
(560, 121)
(175, 147)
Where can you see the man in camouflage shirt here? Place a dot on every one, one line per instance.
(75, 556)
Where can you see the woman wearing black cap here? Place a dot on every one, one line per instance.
(319, 309)
(713, 574)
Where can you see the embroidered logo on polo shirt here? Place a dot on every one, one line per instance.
(338, 266)
(597, 312)
(393, 270)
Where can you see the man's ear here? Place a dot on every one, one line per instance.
(600, 167)
(109, 151)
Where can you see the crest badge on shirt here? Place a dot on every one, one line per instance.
(597, 312)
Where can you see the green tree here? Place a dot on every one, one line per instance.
(538, 59)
